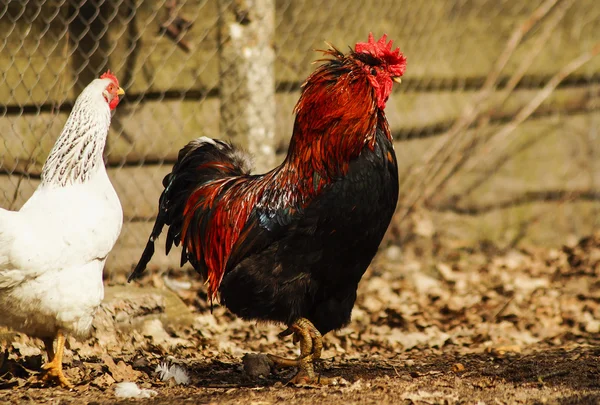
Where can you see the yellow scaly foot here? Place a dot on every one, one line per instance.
(311, 345)
(53, 368)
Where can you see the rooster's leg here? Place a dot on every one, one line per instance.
(311, 344)
(54, 365)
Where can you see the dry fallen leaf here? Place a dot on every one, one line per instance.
(103, 381)
(458, 368)
(120, 371)
(502, 350)
(409, 312)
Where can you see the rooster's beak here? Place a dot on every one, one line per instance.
(120, 92)
(397, 79)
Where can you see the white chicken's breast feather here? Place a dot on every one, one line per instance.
(52, 251)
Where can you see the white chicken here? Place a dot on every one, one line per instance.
(52, 251)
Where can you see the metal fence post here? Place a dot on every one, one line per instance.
(247, 77)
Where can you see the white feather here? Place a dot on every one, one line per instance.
(176, 372)
(204, 139)
(131, 390)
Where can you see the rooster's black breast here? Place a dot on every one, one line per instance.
(311, 267)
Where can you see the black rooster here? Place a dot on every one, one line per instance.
(291, 245)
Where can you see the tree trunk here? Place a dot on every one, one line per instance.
(247, 77)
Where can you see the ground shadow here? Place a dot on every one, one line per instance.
(577, 368)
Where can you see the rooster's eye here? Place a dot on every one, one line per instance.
(374, 72)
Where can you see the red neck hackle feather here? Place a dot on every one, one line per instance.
(340, 108)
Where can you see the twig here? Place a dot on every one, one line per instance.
(503, 308)
(557, 373)
(470, 112)
(526, 111)
(522, 230)
(536, 48)
(528, 197)
(516, 39)
(500, 162)
(477, 139)
(485, 94)
(442, 151)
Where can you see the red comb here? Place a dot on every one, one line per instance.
(108, 75)
(383, 50)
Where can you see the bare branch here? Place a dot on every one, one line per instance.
(443, 150)
(560, 196)
(477, 139)
(500, 161)
(543, 94)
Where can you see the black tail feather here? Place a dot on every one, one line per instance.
(183, 180)
(144, 260)
(149, 249)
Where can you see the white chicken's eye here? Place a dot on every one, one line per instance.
(374, 72)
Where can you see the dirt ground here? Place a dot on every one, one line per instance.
(470, 326)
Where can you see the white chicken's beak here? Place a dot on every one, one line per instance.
(397, 79)
(120, 92)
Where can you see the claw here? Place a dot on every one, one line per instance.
(302, 378)
(311, 345)
(53, 368)
(285, 362)
(54, 373)
(286, 332)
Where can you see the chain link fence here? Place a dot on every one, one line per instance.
(497, 121)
